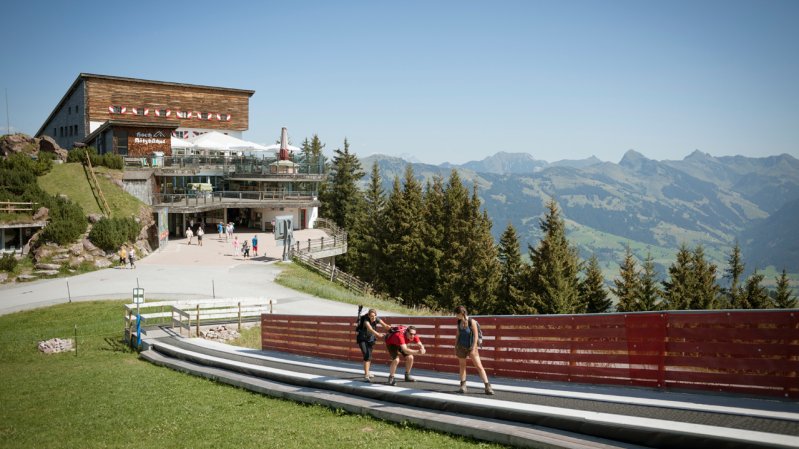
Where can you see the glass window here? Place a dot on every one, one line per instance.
(117, 109)
(162, 112)
(140, 111)
(182, 114)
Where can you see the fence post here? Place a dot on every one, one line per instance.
(323, 243)
(309, 245)
(239, 316)
(198, 320)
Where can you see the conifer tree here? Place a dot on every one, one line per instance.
(733, 273)
(480, 271)
(592, 288)
(649, 293)
(372, 234)
(454, 241)
(343, 201)
(628, 285)
(434, 224)
(392, 236)
(405, 246)
(510, 299)
(554, 275)
(783, 299)
(706, 288)
(755, 294)
(678, 290)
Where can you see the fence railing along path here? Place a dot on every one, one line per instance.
(755, 352)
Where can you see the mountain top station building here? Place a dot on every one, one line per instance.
(184, 154)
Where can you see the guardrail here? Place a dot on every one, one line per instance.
(201, 198)
(12, 207)
(185, 314)
(753, 352)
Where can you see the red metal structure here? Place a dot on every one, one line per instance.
(753, 352)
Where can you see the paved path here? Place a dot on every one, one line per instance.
(182, 271)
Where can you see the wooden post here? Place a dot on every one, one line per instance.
(239, 316)
(198, 320)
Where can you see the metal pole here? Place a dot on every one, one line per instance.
(213, 289)
(69, 295)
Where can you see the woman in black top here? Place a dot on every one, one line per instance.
(367, 336)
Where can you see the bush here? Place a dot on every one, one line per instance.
(113, 161)
(8, 262)
(67, 222)
(110, 233)
(108, 160)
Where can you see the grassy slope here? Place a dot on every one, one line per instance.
(70, 179)
(107, 397)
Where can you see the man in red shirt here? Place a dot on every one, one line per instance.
(397, 343)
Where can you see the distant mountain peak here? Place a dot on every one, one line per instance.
(632, 159)
(698, 156)
(506, 163)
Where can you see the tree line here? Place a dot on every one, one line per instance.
(431, 245)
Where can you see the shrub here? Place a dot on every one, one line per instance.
(8, 262)
(110, 233)
(108, 160)
(113, 161)
(67, 222)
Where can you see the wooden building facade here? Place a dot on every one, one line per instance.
(133, 117)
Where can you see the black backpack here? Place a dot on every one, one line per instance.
(479, 332)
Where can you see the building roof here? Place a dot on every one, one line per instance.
(84, 76)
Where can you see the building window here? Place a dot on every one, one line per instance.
(182, 114)
(76, 109)
(140, 111)
(162, 112)
(117, 109)
(76, 130)
(55, 132)
(69, 110)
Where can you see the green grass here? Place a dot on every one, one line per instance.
(299, 278)
(107, 397)
(70, 179)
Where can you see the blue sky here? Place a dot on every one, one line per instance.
(442, 81)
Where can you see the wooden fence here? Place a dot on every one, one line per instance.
(753, 352)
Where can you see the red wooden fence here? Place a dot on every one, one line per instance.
(755, 352)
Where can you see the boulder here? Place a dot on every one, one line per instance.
(43, 252)
(48, 145)
(94, 218)
(89, 246)
(102, 263)
(46, 272)
(47, 266)
(3, 277)
(26, 277)
(41, 214)
(17, 143)
(76, 249)
(76, 261)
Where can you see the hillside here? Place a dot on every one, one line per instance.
(70, 180)
(653, 206)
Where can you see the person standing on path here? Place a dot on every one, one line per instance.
(245, 249)
(366, 338)
(466, 348)
(220, 228)
(235, 245)
(397, 344)
(189, 234)
(255, 245)
(200, 234)
(132, 257)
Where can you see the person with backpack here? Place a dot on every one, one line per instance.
(397, 342)
(367, 335)
(467, 340)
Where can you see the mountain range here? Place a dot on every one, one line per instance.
(652, 206)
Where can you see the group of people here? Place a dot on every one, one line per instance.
(399, 338)
(127, 256)
(245, 246)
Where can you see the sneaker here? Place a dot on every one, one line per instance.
(489, 390)
(371, 375)
(408, 378)
(367, 379)
(391, 380)
(462, 389)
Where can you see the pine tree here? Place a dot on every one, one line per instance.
(706, 288)
(783, 299)
(649, 294)
(454, 242)
(755, 294)
(372, 236)
(733, 273)
(434, 224)
(510, 299)
(678, 291)
(480, 270)
(391, 241)
(592, 288)
(628, 285)
(554, 275)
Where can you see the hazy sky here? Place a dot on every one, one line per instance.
(441, 80)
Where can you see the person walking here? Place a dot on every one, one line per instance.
(132, 257)
(200, 234)
(245, 249)
(235, 245)
(397, 344)
(220, 229)
(189, 234)
(367, 336)
(123, 256)
(255, 245)
(466, 348)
